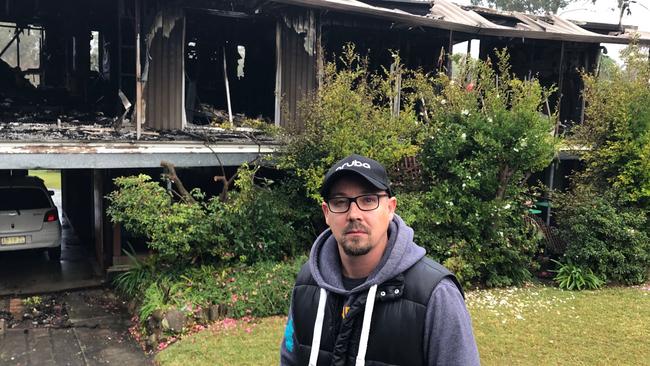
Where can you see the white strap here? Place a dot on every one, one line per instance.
(365, 328)
(318, 328)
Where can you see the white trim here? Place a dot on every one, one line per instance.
(365, 328)
(318, 328)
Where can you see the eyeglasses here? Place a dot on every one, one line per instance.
(365, 202)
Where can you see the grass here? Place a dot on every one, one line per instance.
(52, 178)
(534, 325)
(229, 343)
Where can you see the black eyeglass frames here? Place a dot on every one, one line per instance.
(365, 202)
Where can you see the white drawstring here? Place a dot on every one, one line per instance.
(318, 328)
(365, 328)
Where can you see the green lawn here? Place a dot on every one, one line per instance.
(520, 326)
(52, 178)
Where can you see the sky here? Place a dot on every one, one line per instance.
(606, 11)
(602, 11)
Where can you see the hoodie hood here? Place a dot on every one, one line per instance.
(401, 253)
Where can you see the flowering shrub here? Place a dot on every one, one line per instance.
(486, 135)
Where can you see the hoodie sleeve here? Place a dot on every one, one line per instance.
(288, 351)
(448, 335)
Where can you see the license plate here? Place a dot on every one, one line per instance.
(13, 240)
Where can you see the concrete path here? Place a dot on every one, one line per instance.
(95, 333)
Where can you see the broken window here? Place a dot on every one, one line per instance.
(94, 51)
(21, 50)
(245, 49)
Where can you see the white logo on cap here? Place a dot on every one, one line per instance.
(353, 164)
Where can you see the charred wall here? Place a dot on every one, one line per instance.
(554, 63)
(298, 58)
(417, 47)
(246, 45)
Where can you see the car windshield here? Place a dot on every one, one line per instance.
(22, 198)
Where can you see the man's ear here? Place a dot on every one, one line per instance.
(326, 212)
(392, 206)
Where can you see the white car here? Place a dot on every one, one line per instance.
(28, 217)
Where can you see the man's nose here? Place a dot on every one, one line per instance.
(354, 212)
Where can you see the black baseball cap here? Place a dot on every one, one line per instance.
(367, 168)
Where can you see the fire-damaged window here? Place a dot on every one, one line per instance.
(245, 49)
(20, 49)
(378, 41)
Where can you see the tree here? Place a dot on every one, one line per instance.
(526, 6)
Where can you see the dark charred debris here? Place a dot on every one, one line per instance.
(29, 113)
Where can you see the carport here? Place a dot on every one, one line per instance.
(92, 245)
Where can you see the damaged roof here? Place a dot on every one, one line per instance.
(47, 146)
(478, 21)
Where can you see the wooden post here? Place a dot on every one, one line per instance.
(278, 74)
(117, 243)
(450, 52)
(225, 80)
(18, 47)
(138, 73)
(560, 85)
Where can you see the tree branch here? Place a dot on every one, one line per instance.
(170, 172)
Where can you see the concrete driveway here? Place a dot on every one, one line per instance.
(30, 272)
(87, 327)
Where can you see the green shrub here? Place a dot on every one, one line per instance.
(485, 137)
(176, 230)
(604, 235)
(263, 289)
(154, 299)
(259, 290)
(133, 282)
(256, 223)
(352, 113)
(453, 232)
(572, 277)
(617, 129)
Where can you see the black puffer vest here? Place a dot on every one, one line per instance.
(397, 327)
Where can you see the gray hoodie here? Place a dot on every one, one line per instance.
(448, 329)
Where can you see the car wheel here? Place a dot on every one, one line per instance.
(54, 254)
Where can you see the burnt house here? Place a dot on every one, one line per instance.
(119, 86)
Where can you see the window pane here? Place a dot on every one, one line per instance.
(23, 199)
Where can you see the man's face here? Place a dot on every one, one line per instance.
(358, 232)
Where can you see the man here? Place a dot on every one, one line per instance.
(368, 294)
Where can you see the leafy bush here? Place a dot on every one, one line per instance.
(481, 241)
(486, 135)
(176, 230)
(603, 235)
(617, 129)
(256, 223)
(572, 277)
(262, 289)
(133, 282)
(352, 113)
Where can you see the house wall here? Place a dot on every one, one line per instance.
(163, 73)
(298, 40)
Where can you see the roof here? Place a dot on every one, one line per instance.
(478, 21)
